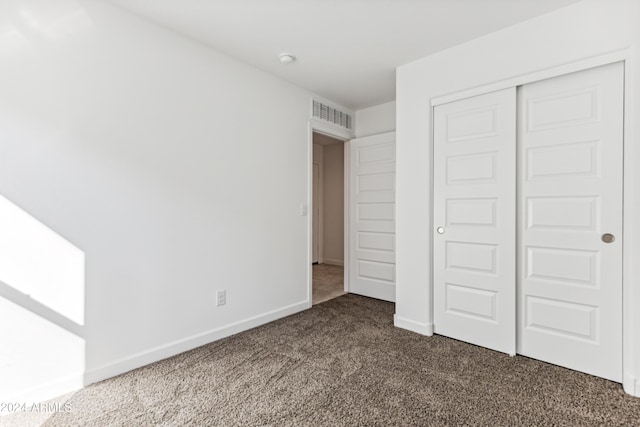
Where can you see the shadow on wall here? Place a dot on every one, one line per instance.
(42, 286)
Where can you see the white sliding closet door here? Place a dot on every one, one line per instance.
(372, 223)
(570, 298)
(474, 261)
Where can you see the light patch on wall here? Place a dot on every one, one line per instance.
(62, 19)
(42, 287)
(37, 262)
(34, 21)
(11, 40)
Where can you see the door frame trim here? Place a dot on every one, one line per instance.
(345, 137)
(630, 383)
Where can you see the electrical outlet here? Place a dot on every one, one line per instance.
(222, 297)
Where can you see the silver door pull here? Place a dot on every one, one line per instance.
(440, 230)
(608, 238)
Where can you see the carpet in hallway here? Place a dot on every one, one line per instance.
(328, 282)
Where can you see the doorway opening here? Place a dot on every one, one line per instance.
(328, 231)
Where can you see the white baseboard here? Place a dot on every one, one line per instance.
(76, 381)
(156, 354)
(631, 385)
(412, 325)
(333, 262)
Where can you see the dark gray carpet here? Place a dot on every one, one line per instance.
(343, 363)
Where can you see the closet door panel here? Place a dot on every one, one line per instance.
(570, 166)
(474, 220)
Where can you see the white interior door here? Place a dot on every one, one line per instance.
(474, 262)
(570, 161)
(315, 244)
(372, 182)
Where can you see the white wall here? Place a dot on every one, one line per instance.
(165, 170)
(333, 204)
(577, 32)
(377, 119)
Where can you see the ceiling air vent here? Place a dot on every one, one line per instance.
(332, 115)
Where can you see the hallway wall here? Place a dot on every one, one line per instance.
(334, 203)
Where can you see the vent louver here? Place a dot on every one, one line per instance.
(332, 115)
